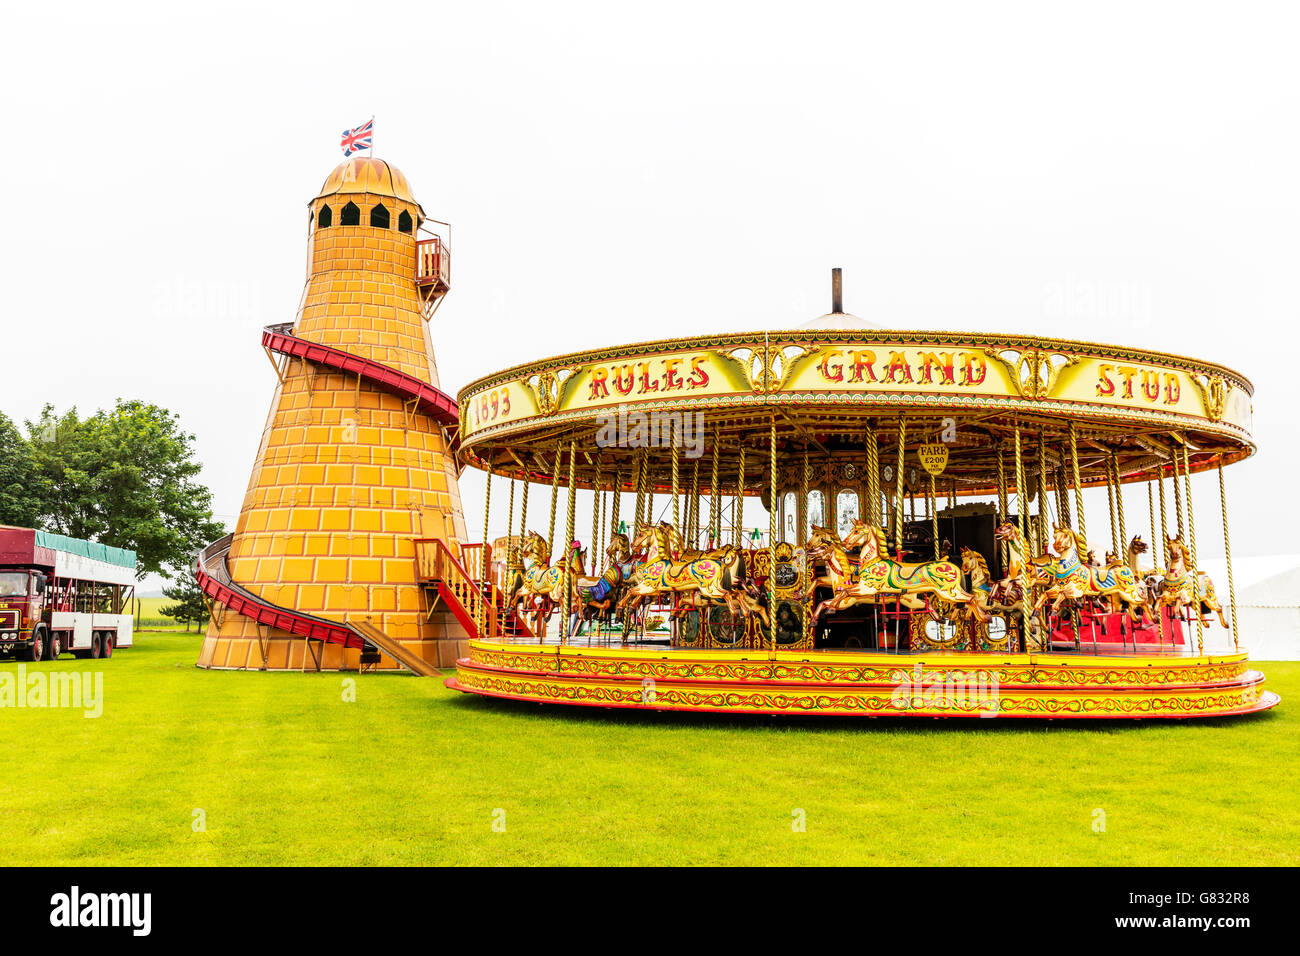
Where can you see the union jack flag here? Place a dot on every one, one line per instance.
(357, 139)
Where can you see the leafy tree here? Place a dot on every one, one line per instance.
(22, 495)
(126, 477)
(189, 606)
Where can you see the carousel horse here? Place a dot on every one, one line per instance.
(743, 602)
(514, 574)
(599, 595)
(976, 570)
(1009, 592)
(750, 600)
(680, 552)
(880, 575)
(1066, 578)
(543, 582)
(716, 579)
(1144, 579)
(1177, 592)
(1150, 580)
(818, 540)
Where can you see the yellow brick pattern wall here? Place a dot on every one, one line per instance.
(347, 477)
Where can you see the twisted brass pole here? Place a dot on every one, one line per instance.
(1044, 530)
(614, 504)
(1164, 546)
(1164, 523)
(640, 489)
(898, 487)
(738, 508)
(1151, 514)
(568, 537)
(510, 525)
(1078, 487)
(1119, 507)
(523, 510)
(1227, 551)
(715, 498)
(1063, 492)
(1191, 532)
(1003, 513)
(771, 539)
(677, 489)
(875, 515)
(1178, 500)
(934, 519)
(1110, 505)
(487, 511)
(693, 507)
(555, 492)
(1021, 507)
(595, 519)
(806, 475)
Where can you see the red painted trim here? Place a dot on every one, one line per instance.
(433, 402)
(452, 601)
(264, 612)
(1267, 701)
(1248, 679)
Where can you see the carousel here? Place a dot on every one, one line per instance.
(923, 549)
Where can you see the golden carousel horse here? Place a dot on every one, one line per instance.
(880, 575)
(747, 599)
(1066, 578)
(716, 579)
(1177, 592)
(543, 583)
(599, 595)
(1010, 591)
(976, 570)
(818, 540)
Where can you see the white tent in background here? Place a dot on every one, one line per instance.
(1268, 603)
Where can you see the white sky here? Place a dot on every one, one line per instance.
(613, 176)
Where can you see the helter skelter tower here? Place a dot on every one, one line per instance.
(356, 463)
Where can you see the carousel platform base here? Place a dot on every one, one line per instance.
(864, 684)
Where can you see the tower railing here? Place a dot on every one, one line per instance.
(433, 263)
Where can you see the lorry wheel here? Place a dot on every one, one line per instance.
(56, 645)
(37, 651)
(109, 637)
(96, 645)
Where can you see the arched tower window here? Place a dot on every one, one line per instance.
(351, 215)
(846, 510)
(379, 217)
(790, 517)
(404, 222)
(816, 509)
(325, 218)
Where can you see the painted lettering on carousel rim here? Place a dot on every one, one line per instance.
(1116, 381)
(639, 378)
(854, 366)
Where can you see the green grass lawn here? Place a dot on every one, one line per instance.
(286, 772)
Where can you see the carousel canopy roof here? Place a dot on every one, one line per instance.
(840, 321)
(827, 392)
